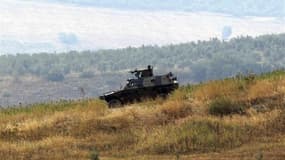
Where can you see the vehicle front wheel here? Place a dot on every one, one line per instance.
(114, 103)
(163, 95)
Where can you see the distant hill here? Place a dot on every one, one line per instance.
(40, 77)
(200, 61)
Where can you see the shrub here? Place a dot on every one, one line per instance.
(87, 74)
(55, 77)
(94, 154)
(225, 106)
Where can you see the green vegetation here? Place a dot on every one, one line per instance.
(55, 76)
(42, 107)
(224, 106)
(87, 74)
(195, 61)
(94, 155)
(187, 125)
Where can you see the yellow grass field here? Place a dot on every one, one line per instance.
(235, 118)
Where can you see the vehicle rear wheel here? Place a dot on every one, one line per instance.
(114, 103)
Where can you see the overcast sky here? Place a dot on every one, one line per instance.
(30, 26)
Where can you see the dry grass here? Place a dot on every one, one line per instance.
(215, 89)
(179, 127)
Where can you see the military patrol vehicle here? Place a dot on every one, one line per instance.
(144, 85)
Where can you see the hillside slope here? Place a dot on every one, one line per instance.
(235, 118)
(26, 78)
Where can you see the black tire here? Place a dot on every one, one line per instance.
(163, 95)
(114, 103)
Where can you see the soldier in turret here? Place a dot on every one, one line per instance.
(144, 72)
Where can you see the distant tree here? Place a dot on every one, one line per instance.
(226, 32)
(202, 60)
(6, 95)
(57, 77)
(87, 74)
(82, 92)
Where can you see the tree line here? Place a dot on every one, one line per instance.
(194, 61)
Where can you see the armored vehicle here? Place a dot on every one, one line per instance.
(143, 85)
